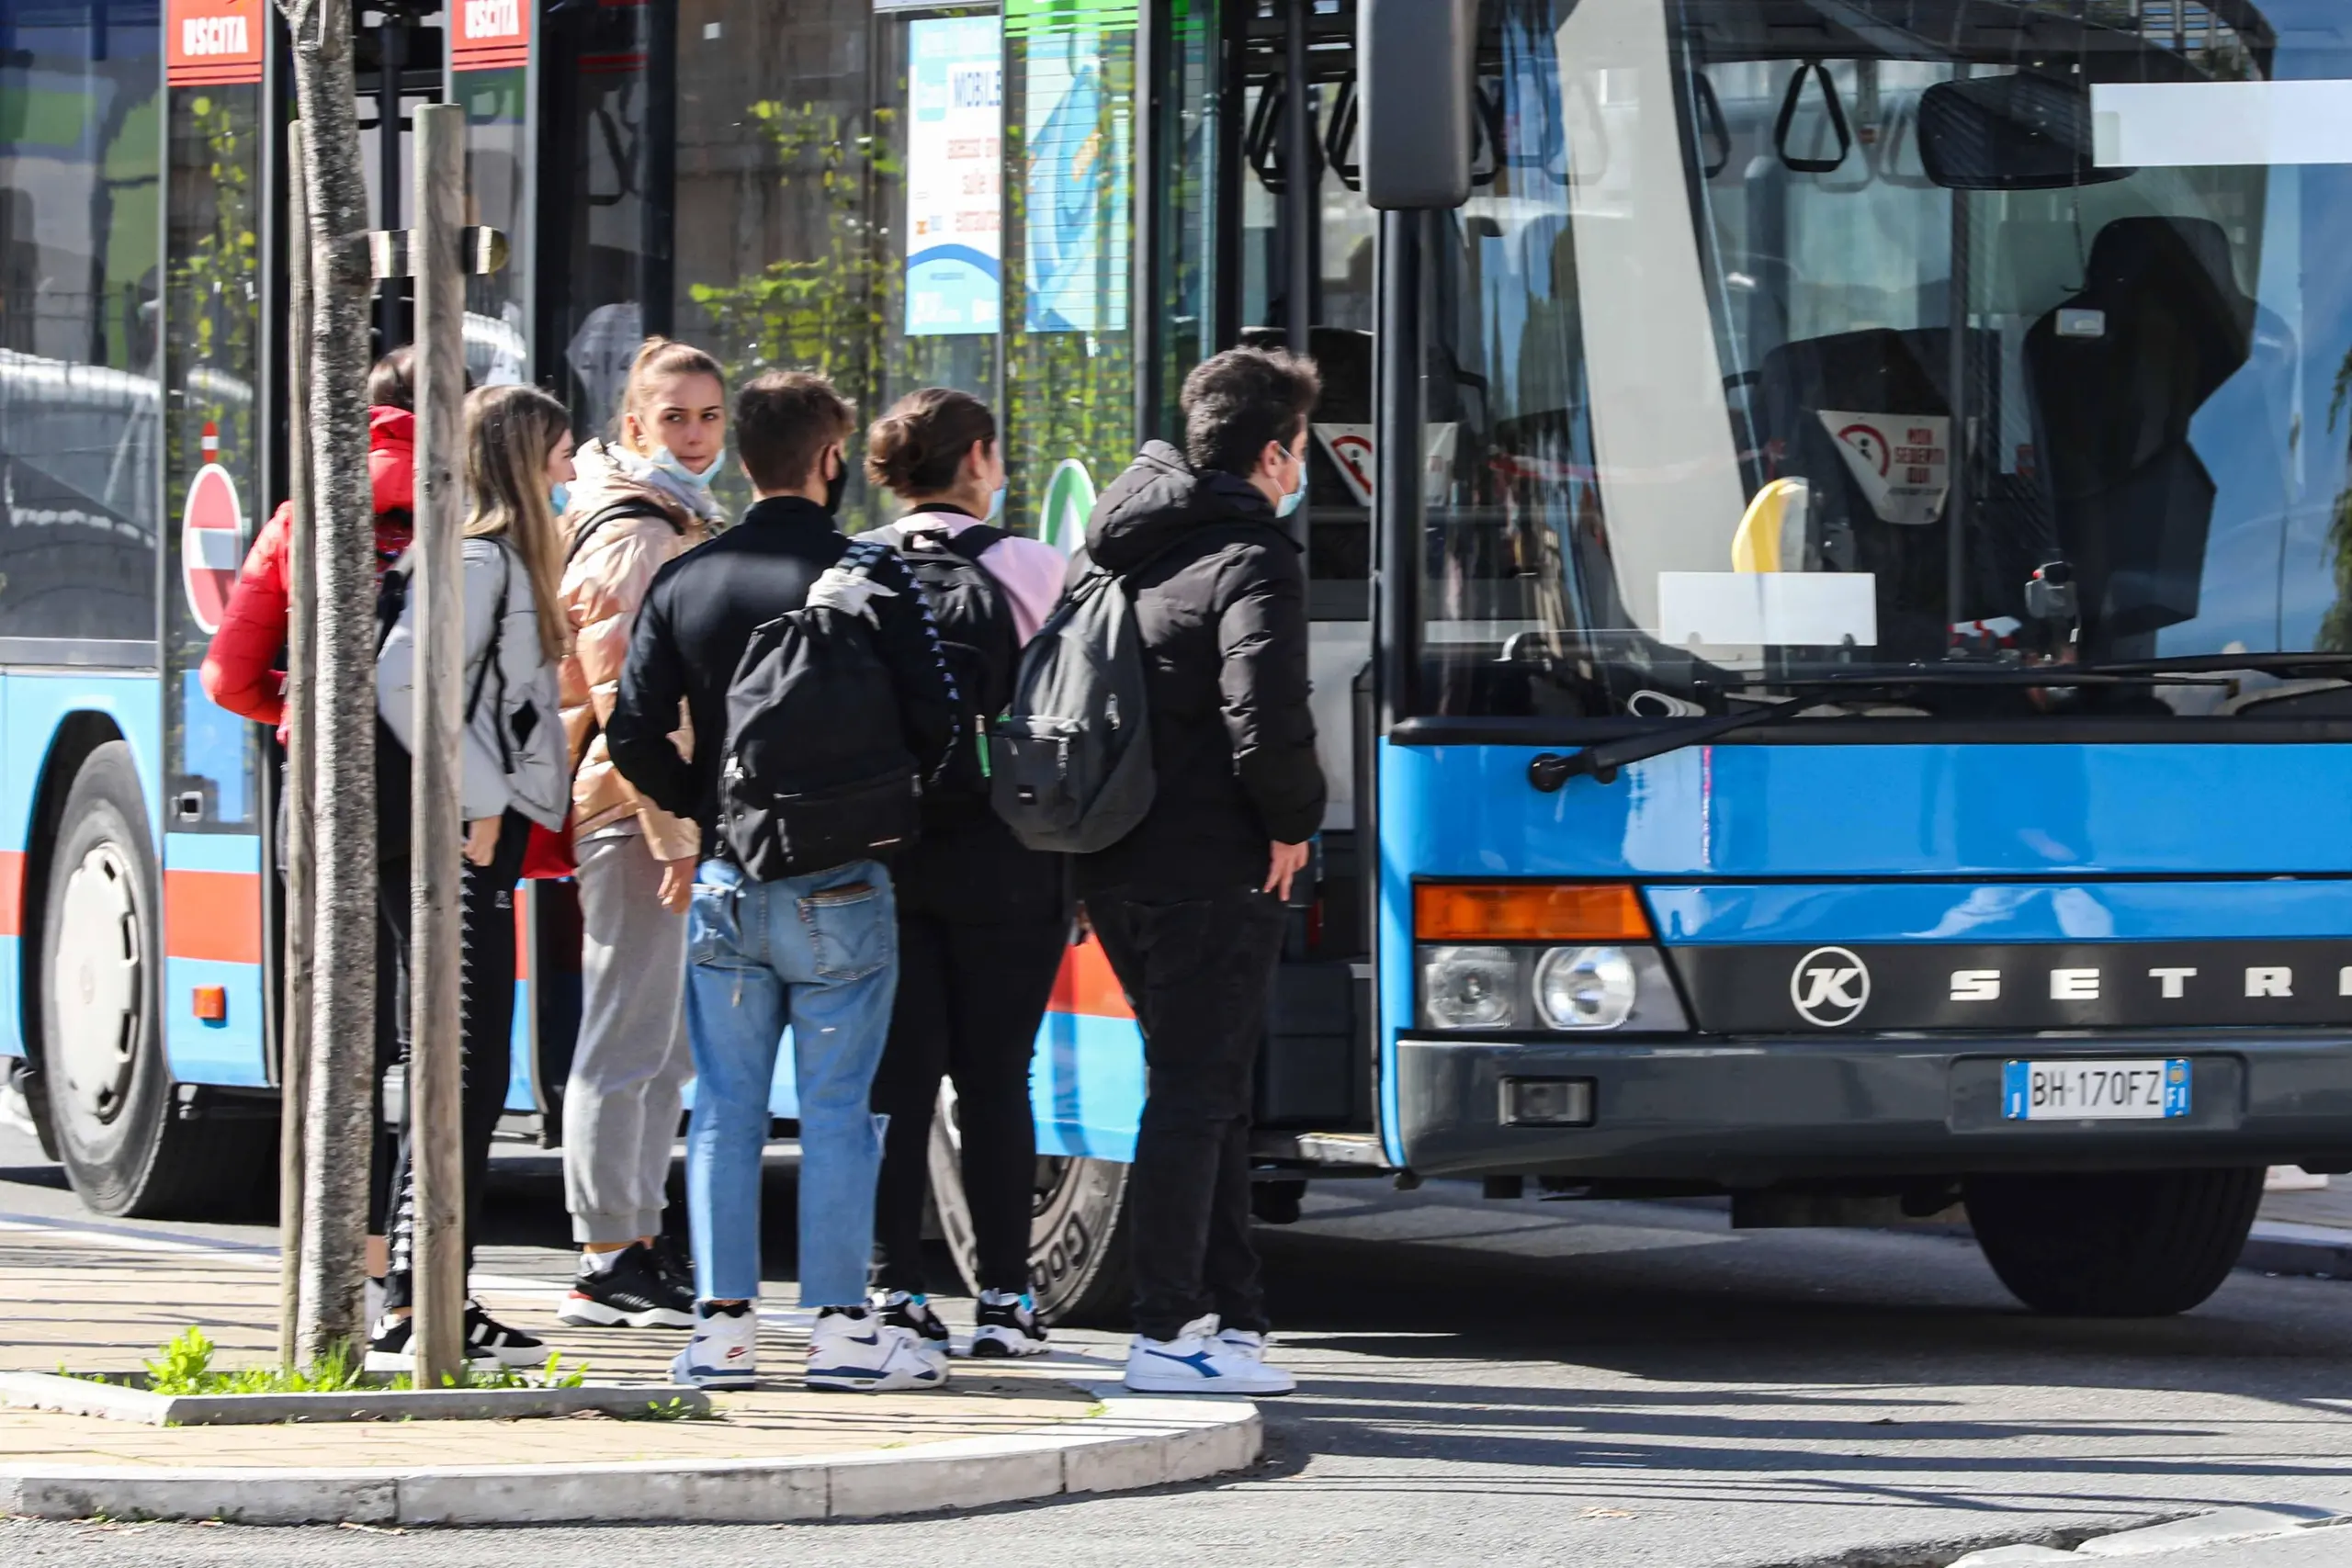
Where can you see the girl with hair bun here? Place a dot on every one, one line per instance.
(982, 921)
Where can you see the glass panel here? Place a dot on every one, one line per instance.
(498, 305)
(1790, 341)
(1187, 179)
(212, 373)
(81, 211)
(799, 206)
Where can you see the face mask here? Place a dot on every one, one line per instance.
(668, 462)
(837, 486)
(1297, 497)
(996, 505)
(560, 497)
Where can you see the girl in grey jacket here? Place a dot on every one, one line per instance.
(516, 772)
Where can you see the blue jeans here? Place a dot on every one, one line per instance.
(818, 953)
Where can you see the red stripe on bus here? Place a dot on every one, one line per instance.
(12, 892)
(213, 915)
(1087, 986)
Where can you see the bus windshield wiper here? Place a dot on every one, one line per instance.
(1604, 759)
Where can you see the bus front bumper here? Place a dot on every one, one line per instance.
(1757, 1113)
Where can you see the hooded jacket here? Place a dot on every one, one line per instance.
(1220, 603)
(240, 669)
(602, 585)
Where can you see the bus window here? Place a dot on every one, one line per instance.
(1793, 341)
(81, 217)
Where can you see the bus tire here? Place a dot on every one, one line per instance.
(125, 1146)
(1077, 1231)
(2114, 1244)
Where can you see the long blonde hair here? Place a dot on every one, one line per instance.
(510, 432)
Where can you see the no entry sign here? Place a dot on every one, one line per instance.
(213, 526)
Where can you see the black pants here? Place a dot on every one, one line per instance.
(1198, 970)
(970, 997)
(485, 1041)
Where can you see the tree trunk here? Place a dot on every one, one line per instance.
(343, 1019)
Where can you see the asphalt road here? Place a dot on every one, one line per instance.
(1502, 1383)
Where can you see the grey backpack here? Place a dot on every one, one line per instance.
(1069, 761)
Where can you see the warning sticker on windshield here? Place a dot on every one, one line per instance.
(1902, 461)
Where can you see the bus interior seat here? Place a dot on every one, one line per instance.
(2119, 370)
(1874, 371)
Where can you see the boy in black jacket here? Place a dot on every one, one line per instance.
(1189, 906)
(818, 953)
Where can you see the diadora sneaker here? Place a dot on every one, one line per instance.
(899, 1309)
(1243, 1342)
(851, 1351)
(489, 1345)
(1006, 1325)
(725, 1351)
(1197, 1362)
(630, 1289)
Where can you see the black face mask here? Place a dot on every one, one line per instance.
(837, 486)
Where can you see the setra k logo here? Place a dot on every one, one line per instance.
(1830, 987)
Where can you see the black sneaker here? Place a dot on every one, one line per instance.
(676, 1267)
(1006, 1325)
(489, 1340)
(901, 1309)
(632, 1291)
(392, 1346)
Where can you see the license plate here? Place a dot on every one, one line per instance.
(2147, 1090)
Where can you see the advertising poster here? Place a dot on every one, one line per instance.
(1078, 195)
(954, 233)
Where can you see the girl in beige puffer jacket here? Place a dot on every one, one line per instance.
(643, 498)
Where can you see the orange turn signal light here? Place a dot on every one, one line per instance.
(1528, 911)
(212, 1003)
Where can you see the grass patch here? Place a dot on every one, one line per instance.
(184, 1366)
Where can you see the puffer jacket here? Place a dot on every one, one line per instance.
(1220, 603)
(603, 586)
(240, 669)
(513, 752)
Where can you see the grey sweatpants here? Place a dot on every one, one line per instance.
(630, 1072)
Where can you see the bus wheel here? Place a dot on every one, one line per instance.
(1078, 1234)
(2114, 1244)
(102, 1047)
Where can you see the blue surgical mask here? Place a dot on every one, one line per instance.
(560, 497)
(667, 461)
(996, 505)
(1297, 497)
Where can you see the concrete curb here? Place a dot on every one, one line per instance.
(2319, 1251)
(1136, 1441)
(2245, 1524)
(120, 1402)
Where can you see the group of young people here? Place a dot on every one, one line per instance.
(609, 605)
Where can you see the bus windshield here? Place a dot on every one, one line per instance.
(1782, 341)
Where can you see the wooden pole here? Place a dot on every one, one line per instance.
(343, 699)
(294, 1033)
(436, 1063)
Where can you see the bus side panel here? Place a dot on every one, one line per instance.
(33, 703)
(1086, 1081)
(212, 938)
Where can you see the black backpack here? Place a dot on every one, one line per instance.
(816, 773)
(978, 636)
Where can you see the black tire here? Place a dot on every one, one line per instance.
(125, 1146)
(1078, 1232)
(2114, 1244)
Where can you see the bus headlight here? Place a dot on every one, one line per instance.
(1585, 987)
(1470, 988)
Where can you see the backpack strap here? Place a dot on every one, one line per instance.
(613, 512)
(975, 541)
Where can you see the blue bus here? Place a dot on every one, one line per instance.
(1831, 586)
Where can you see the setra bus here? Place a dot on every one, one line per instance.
(1831, 586)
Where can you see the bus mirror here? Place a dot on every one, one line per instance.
(1414, 67)
(2016, 132)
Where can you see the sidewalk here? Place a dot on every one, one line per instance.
(93, 1296)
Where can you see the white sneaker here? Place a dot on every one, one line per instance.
(1243, 1342)
(724, 1352)
(1198, 1361)
(1006, 1325)
(851, 1351)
